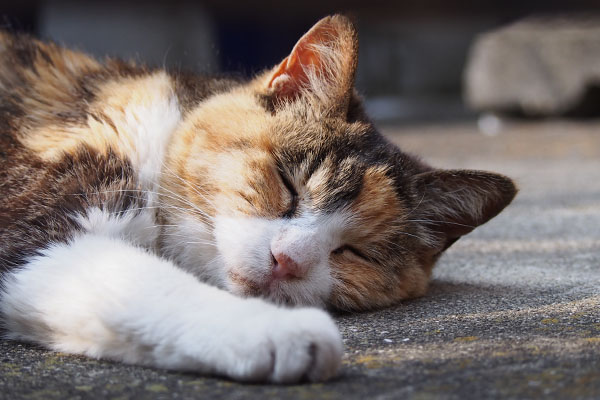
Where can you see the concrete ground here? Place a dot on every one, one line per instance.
(513, 310)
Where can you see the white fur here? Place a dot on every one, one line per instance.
(146, 125)
(246, 245)
(103, 297)
(189, 242)
(154, 125)
(135, 226)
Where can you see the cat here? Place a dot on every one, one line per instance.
(203, 223)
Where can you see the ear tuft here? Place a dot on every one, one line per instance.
(454, 202)
(321, 65)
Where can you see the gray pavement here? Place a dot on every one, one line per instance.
(513, 310)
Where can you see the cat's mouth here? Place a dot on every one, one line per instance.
(246, 287)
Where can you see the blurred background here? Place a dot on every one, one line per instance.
(414, 56)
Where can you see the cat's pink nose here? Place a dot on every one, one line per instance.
(284, 267)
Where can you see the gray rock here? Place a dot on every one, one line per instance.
(539, 66)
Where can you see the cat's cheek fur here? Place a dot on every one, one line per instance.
(190, 244)
(244, 244)
(103, 297)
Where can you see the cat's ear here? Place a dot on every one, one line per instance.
(321, 65)
(454, 202)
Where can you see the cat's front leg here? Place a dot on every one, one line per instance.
(103, 297)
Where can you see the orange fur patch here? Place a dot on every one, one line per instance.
(223, 154)
(360, 285)
(113, 118)
(377, 214)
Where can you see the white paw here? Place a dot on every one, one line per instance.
(286, 346)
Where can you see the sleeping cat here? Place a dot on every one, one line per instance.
(173, 220)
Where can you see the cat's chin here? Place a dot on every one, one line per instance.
(273, 290)
(245, 287)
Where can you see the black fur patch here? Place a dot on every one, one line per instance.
(39, 201)
(191, 89)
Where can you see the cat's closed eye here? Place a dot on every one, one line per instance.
(291, 211)
(348, 249)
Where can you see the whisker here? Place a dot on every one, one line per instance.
(205, 243)
(194, 208)
(417, 206)
(193, 187)
(185, 236)
(185, 201)
(438, 221)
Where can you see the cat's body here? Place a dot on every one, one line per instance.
(139, 209)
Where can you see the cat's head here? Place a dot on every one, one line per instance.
(283, 189)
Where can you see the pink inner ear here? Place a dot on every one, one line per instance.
(290, 75)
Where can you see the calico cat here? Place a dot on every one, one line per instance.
(172, 220)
